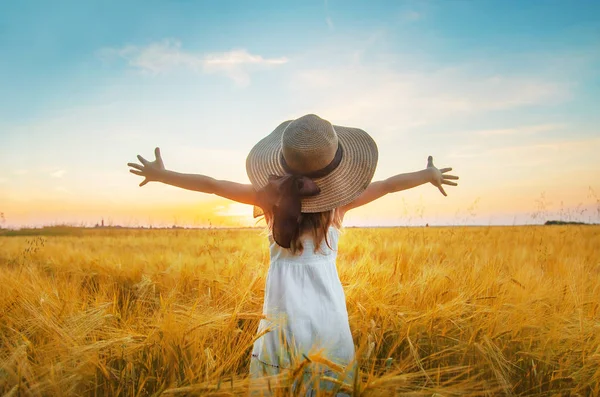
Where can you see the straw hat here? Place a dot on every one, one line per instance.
(340, 160)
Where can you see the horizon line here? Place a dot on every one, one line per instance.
(174, 227)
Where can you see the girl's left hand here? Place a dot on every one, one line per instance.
(150, 170)
(439, 177)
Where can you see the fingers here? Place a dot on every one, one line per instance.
(454, 177)
(142, 160)
(157, 153)
(144, 182)
(430, 161)
(140, 173)
(136, 166)
(445, 182)
(442, 190)
(446, 169)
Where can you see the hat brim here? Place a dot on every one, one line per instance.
(342, 186)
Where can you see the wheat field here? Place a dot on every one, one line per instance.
(433, 311)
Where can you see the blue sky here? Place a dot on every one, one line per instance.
(503, 91)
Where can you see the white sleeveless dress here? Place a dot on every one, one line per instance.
(305, 309)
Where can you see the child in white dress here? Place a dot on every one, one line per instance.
(306, 307)
(305, 176)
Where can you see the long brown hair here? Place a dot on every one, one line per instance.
(315, 224)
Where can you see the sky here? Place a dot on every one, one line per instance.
(505, 92)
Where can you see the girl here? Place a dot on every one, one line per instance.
(305, 176)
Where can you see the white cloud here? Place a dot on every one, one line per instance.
(525, 130)
(3, 180)
(168, 55)
(540, 152)
(411, 15)
(20, 172)
(330, 23)
(328, 19)
(57, 174)
(393, 99)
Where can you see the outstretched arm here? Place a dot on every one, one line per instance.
(155, 171)
(431, 174)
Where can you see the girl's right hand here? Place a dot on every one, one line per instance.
(439, 176)
(150, 170)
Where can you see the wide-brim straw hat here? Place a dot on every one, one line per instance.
(312, 146)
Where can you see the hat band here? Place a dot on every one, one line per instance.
(337, 159)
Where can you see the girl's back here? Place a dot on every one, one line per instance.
(305, 309)
(304, 301)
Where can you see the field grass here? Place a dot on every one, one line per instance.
(452, 311)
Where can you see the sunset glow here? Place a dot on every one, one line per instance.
(504, 93)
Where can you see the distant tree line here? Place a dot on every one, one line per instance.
(564, 223)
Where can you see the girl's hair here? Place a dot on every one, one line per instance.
(315, 225)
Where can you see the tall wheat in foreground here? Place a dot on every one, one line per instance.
(453, 311)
